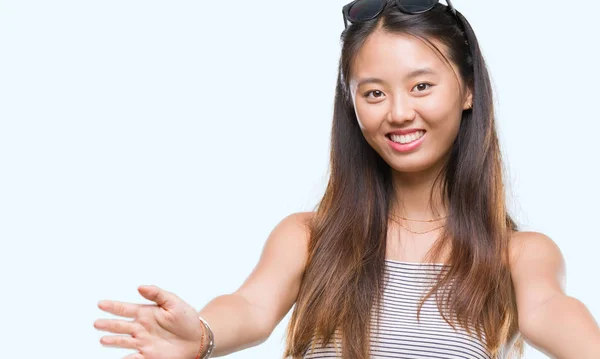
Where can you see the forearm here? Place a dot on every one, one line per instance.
(563, 328)
(236, 324)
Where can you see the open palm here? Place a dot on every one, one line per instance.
(169, 329)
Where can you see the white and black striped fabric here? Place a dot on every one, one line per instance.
(399, 334)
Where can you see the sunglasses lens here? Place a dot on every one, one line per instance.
(416, 6)
(363, 10)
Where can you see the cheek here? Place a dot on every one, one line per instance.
(369, 118)
(442, 118)
(369, 121)
(443, 130)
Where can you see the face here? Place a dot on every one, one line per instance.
(407, 99)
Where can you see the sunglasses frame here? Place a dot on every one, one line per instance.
(347, 7)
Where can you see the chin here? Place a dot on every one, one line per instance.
(411, 165)
(410, 169)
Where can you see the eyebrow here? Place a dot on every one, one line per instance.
(410, 75)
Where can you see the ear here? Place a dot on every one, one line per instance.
(468, 103)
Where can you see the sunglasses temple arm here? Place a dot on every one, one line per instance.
(451, 7)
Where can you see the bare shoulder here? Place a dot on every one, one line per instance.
(287, 244)
(290, 236)
(533, 249)
(294, 222)
(273, 285)
(537, 267)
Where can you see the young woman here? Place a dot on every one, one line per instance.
(411, 252)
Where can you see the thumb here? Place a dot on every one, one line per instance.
(157, 295)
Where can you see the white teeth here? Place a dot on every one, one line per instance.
(407, 138)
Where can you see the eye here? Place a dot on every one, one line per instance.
(423, 86)
(377, 94)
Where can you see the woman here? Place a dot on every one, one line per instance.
(411, 252)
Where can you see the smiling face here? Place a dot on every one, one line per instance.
(407, 99)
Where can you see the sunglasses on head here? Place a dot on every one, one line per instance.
(364, 10)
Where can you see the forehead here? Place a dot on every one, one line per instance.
(388, 55)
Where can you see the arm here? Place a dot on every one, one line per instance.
(247, 317)
(554, 323)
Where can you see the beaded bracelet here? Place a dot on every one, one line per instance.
(211, 342)
(201, 345)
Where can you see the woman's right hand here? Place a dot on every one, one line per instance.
(169, 329)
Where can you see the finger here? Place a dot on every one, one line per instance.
(128, 310)
(116, 326)
(157, 295)
(119, 341)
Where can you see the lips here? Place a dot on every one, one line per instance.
(407, 137)
(406, 143)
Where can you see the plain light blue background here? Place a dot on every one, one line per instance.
(147, 142)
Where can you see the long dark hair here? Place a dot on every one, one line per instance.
(343, 278)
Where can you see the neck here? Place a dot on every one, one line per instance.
(413, 196)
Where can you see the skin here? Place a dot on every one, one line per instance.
(433, 102)
(554, 323)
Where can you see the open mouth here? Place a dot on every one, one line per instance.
(406, 139)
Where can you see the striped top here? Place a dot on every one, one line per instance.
(399, 334)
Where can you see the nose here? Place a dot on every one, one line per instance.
(402, 109)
